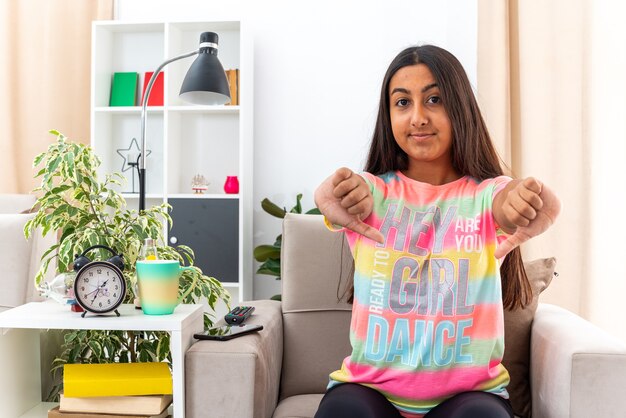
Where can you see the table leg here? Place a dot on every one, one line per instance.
(180, 341)
(20, 388)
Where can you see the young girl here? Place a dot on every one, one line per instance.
(429, 223)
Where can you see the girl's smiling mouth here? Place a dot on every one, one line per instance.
(421, 136)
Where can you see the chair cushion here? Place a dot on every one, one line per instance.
(315, 343)
(299, 406)
(517, 324)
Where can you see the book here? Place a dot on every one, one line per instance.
(156, 94)
(56, 413)
(116, 379)
(147, 404)
(233, 81)
(123, 89)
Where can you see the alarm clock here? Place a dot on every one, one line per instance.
(99, 286)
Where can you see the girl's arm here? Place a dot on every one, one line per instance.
(345, 199)
(525, 209)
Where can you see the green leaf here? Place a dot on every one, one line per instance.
(298, 207)
(264, 252)
(279, 241)
(96, 348)
(69, 337)
(53, 165)
(270, 267)
(163, 348)
(40, 173)
(272, 209)
(38, 159)
(144, 356)
(69, 161)
(60, 189)
(138, 230)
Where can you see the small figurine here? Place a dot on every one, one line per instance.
(199, 184)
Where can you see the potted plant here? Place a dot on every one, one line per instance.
(85, 211)
(269, 254)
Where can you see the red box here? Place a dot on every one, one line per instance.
(156, 94)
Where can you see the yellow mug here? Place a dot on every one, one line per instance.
(158, 285)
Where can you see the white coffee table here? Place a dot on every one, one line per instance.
(20, 386)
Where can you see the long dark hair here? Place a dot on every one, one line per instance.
(472, 152)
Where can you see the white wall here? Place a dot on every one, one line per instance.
(318, 70)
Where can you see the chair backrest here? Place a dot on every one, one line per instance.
(20, 258)
(16, 203)
(316, 270)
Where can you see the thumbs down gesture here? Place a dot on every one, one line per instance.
(524, 208)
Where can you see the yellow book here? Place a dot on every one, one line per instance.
(116, 379)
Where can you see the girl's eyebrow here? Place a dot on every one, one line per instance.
(405, 91)
(400, 90)
(428, 87)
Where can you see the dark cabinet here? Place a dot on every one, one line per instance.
(211, 228)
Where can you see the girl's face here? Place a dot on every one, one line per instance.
(419, 122)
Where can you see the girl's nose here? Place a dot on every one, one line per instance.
(419, 116)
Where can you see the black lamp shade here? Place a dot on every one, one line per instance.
(205, 81)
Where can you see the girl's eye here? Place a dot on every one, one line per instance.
(402, 102)
(434, 100)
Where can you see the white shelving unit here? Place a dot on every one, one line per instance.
(184, 140)
(20, 390)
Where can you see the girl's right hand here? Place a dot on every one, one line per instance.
(345, 199)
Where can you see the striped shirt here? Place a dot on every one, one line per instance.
(427, 319)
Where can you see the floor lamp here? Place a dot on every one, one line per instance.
(205, 83)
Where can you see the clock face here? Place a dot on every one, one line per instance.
(99, 287)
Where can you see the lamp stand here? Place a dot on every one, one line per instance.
(144, 114)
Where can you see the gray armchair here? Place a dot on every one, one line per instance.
(577, 370)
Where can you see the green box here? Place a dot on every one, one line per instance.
(124, 89)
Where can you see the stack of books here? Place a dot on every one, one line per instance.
(115, 390)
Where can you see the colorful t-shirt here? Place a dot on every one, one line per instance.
(427, 319)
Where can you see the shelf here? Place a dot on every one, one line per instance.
(52, 315)
(205, 109)
(135, 196)
(185, 140)
(202, 196)
(231, 285)
(128, 110)
(20, 333)
(39, 411)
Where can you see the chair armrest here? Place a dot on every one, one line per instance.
(240, 377)
(576, 369)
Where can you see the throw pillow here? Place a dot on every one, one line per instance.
(517, 325)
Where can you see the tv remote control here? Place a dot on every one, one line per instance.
(238, 314)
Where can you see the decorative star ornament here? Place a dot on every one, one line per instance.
(131, 155)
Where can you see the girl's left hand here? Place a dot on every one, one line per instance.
(530, 208)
